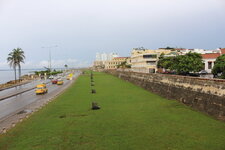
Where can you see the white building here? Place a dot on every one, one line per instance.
(209, 60)
(105, 56)
(200, 51)
(102, 58)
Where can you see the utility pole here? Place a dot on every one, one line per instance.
(50, 57)
(50, 60)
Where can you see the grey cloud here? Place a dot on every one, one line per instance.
(82, 28)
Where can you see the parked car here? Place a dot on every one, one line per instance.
(203, 72)
(169, 72)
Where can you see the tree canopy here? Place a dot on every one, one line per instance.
(165, 62)
(219, 66)
(182, 64)
(15, 58)
(191, 62)
(124, 65)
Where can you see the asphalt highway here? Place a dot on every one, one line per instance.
(20, 88)
(11, 105)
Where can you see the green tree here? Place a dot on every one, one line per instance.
(166, 62)
(19, 53)
(12, 62)
(160, 61)
(15, 58)
(219, 66)
(124, 65)
(66, 66)
(182, 64)
(191, 62)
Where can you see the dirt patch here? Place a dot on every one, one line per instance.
(62, 116)
(24, 111)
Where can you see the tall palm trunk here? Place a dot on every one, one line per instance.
(15, 73)
(19, 71)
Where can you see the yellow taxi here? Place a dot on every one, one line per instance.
(60, 82)
(42, 84)
(41, 89)
(69, 77)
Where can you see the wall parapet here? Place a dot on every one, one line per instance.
(206, 95)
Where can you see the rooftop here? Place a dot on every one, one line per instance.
(222, 50)
(210, 55)
(120, 57)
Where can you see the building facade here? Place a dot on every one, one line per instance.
(105, 56)
(200, 51)
(222, 51)
(209, 61)
(145, 60)
(210, 58)
(99, 64)
(102, 58)
(115, 62)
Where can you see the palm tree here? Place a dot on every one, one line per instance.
(19, 53)
(15, 58)
(12, 62)
(66, 66)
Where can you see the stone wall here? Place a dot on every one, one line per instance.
(206, 95)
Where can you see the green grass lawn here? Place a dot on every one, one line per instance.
(130, 118)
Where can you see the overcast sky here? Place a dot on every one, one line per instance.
(80, 28)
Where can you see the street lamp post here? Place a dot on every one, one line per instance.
(50, 57)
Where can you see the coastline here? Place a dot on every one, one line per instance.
(24, 80)
(7, 75)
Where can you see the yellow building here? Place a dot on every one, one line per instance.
(145, 60)
(99, 64)
(113, 64)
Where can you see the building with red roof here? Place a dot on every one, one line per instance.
(209, 60)
(222, 51)
(210, 55)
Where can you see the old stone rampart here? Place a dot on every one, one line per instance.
(206, 95)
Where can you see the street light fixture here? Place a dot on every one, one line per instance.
(50, 61)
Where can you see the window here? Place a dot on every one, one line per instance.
(149, 56)
(151, 62)
(209, 65)
(151, 70)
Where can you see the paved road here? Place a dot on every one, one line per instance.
(12, 105)
(21, 88)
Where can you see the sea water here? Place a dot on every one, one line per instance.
(8, 75)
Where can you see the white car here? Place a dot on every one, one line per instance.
(51, 77)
